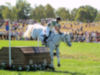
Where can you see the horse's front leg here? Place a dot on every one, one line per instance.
(58, 58)
(51, 55)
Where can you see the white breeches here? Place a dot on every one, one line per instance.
(46, 33)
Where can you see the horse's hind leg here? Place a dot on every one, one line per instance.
(58, 58)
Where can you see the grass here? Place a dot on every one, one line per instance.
(80, 59)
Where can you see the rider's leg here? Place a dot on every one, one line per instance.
(58, 58)
(46, 35)
(41, 37)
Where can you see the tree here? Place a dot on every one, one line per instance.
(81, 15)
(73, 14)
(1, 9)
(98, 17)
(63, 13)
(6, 13)
(49, 10)
(38, 13)
(92, 13)
(86, 14)
(23, 8)
(9, 12)
(14, 13)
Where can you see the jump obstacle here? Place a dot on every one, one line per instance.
(25, 56)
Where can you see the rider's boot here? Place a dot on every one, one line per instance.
(45, 40)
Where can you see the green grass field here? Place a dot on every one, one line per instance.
(80, 59)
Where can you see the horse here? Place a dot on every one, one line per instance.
(53, 40)
(33, 31)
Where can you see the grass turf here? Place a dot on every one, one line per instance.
(80, 59)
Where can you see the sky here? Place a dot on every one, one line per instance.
(68, 4)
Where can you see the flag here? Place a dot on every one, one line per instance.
(7, 26)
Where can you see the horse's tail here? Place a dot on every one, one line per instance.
(27, 33)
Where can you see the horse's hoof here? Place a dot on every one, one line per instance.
(58, 65)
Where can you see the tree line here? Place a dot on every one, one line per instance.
(23, 10)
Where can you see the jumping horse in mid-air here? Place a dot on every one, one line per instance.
(53, 40)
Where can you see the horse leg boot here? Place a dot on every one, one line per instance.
(58, 58)
(51, 55)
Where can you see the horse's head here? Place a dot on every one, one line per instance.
(66, 39)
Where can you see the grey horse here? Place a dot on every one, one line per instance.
(53, 40)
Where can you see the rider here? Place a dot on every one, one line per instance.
(51, 26)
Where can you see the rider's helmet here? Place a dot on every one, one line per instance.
(58, 18)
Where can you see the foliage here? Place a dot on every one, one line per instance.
(23, 10)
(1, 8)
(98, 17)
(86, 14)
(38, 13)
(41, 12)
(73, 14)
(6, 13)
(63, 13)
(49, 10)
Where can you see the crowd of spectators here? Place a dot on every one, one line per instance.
(85, 37)
(17, 29)
(83, 32)
(77, 30)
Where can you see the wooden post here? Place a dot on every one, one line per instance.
(9, 43)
